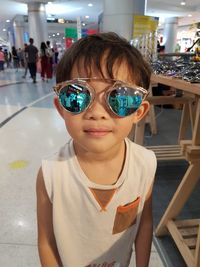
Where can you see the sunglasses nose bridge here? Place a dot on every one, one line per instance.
(98, 106)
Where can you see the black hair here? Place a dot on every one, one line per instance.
(43, 47)
(89, 51)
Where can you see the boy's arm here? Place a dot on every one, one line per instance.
(46, 241)
(144, 236)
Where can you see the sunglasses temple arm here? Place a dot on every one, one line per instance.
(56, 88)
(146, 95)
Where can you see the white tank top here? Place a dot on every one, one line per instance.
(96, 225)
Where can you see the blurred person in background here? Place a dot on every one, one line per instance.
(50, 54)
(7, 57)
(44, 61)
(15, 58)
(32, 58)
(20, 54)
(2, 59)
(25, 55)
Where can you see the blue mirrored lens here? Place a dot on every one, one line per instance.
(124, 101)
(74, 98)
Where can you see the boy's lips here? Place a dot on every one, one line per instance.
(97, 131)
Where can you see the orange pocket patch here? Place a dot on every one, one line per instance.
(125, 216)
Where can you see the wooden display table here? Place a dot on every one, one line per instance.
(185, 233)
(187, 100)
(193, 88)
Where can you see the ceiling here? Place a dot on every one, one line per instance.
(71, 9)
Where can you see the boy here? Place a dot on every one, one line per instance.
(94, 195)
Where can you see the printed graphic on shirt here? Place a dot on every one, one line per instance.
(125, 216)
(105, 264)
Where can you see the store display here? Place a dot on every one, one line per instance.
(180, 68)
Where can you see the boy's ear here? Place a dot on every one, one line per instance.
(58, 106)
(142, 111)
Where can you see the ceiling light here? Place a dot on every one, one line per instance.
(7, 20)
(183, 3)
(61, 21)
(4, 30)
(189, 15)
(87, 17)
(50, 18)
(20, 223)
(90, 4)
(58, 33)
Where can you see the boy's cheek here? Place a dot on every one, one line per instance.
(58, 106)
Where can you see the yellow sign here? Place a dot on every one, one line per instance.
(144, 24)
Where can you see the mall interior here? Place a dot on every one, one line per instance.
(167, 33)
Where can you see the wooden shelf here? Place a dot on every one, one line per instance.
(167, 152)
(186, 235)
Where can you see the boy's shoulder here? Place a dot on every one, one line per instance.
(141, 154)
(139, 149)
(143, 161)
(61, 154)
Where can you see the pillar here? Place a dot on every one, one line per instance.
(37, 22)
(18, 27)
(118, 16)
(170, 34)
(11, 35)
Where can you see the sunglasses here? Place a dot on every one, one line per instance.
(122, 98)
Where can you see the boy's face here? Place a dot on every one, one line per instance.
(97, 129)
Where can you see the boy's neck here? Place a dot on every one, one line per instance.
(104, 168)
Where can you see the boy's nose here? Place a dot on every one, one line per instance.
(97, 110)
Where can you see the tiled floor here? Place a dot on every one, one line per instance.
(30, 130)
(25, 139)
